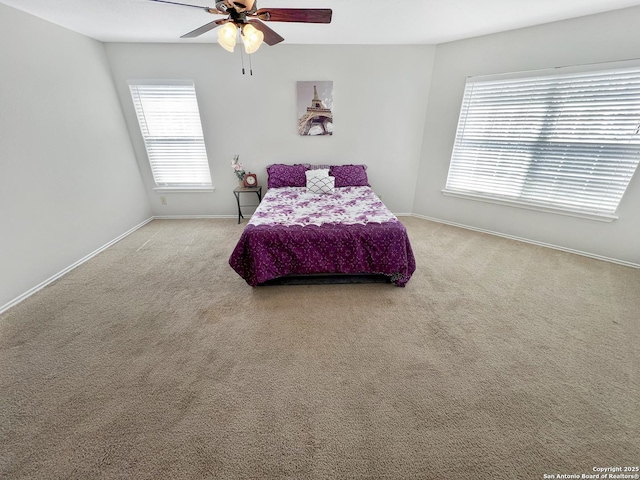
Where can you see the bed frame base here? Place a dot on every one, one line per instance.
(327, 279)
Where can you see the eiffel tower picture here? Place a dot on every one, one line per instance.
(317, 118)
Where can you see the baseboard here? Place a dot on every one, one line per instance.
(532, 242)
(192, 217)
(49, 280)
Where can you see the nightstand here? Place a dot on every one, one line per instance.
(238, 190)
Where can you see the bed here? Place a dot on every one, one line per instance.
(322, 220)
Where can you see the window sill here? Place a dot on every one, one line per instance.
(183, 189)
(601, 217)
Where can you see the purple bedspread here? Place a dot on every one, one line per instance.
(348, 231)
(267, 252)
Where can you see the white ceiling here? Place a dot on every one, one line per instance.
(354, 21)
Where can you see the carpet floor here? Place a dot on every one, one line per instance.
(153, 360)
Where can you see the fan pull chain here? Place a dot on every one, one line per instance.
(250, 65)
(242, 59)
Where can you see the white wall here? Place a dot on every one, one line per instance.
(598, 38)
(380, 97)
(69, 182)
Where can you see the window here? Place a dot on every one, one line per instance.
(170, 124)
(566, 142)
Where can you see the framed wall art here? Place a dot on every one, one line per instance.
(315, 103)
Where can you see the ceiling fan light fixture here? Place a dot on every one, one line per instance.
(251, 37)
(227, 36)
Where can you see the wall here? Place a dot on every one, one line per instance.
(598, 38)
(69, 182)
(380, 97)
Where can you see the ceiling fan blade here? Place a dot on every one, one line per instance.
(304, 15)
(205, 28)
(206, 9)
(270, 37)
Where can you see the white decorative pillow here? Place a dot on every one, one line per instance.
(320, 172)
(325, 184)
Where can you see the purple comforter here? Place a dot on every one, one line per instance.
(272, 246)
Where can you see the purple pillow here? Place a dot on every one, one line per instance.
(280, 175)
(350, 175)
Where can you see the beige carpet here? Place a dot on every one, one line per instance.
(154, 360)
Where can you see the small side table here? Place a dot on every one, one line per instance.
(238, 190)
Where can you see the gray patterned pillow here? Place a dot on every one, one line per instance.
(324, 184)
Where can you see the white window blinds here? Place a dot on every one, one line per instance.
(566, 141)
(170, 124)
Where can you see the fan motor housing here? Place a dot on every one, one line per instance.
(237, 5)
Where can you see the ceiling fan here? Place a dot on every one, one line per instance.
(244, 15)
